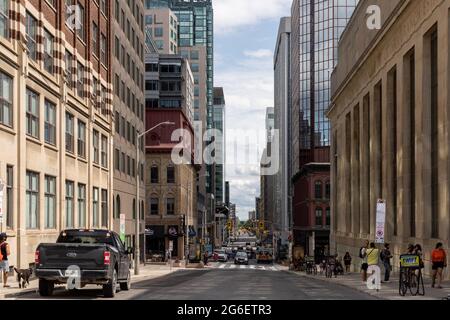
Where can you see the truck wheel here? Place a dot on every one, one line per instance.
(125, 286)
(109, 290)
(46, 287)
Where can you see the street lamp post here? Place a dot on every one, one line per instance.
(138, 178)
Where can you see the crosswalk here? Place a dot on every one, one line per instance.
(230, 266)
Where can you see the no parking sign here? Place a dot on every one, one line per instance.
(380, 221)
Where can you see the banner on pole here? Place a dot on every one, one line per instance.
(380, 221)
(122, 227)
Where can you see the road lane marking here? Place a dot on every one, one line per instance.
(273, 268)
(243, 267)
(252, 267)
(222, 266)
(232, 266)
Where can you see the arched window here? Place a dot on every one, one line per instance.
(134, 209)
(154, 206)
(154, 174)
(318, 190)
(328, 216)
(117, 213)
(319, 217)
(327, 190)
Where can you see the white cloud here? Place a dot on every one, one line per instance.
(230, 15)
(261, 53)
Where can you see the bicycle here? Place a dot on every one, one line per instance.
(411, 276)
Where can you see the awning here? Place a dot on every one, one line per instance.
(154, 231)
(172, 232)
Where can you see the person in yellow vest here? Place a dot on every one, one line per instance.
(372, 255)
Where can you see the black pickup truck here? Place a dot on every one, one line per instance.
(90, 256)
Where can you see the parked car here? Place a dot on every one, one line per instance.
(98, 255)
(241, 258)
(220, 255)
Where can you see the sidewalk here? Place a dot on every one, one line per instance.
(147, 272)
(389, 291)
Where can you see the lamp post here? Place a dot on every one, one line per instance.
(138, 177)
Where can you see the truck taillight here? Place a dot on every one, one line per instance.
(37, 257)
(106, 258)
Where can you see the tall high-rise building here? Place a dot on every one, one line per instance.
(55, 121)
(316, 28)
(220, 143)
(127, 61)
(282, 110)
(161, 25)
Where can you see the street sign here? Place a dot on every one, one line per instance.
(380, 221)
(122, 227)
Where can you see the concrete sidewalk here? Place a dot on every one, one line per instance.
(389, 291)
(145, 273)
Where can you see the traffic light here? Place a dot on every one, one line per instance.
(229, 224)
(261, 225)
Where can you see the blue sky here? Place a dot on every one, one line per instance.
(245, 34)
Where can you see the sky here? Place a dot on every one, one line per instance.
(245, 33)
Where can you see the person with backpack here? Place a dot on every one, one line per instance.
(363, 257)
(4, 253)
(347, 262)
(386, 257)
(439, 262)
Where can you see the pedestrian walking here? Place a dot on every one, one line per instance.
(347, 262)
(205, 258)
(4, 264)
(363, 256)
(372, 255)
(386, 257)
(439, 262)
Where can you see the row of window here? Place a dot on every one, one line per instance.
(319, 217)
(128, 63)
(318, 190)
(33, 205)
(126, 164)
(170, 174)
(154, 206)
(128, 98)
(118, 208)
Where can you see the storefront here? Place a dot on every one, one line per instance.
(154, 241)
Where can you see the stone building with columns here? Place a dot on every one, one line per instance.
(390, 128)
(55, 121)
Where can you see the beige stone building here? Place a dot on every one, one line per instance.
(128, 70)
(55, 121)
(390, 127)
(162, 26)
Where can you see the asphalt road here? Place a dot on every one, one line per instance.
(217, 283)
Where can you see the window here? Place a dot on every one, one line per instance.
(129, 165)
(81, 32)
(31, 35)
(123, 163)
(133, 209)
(319, 217)
(154, 206)
(117, 212)
(154, 174)
(117, 159)
(94, 39)
(151, 85)
(68, 61)
(328, 216)
(95, 144)
(104, 157)
(117, 8)
(50, 122)
(141, 211)
(81, 139)
(32, 200)
(48, 51)
(9, 196)
(103, 49)
(95, 222)
(327, 190)
(170, 206)
(318, 190)
(69, 132)
(151, 67)
(158, 32)
(80, 80)
(103, 6)
(104, 208)
(32, 114)
(68, 12)
(170, 174)
(81, 205)
(69, 204)
(4, 18)
(5, 99)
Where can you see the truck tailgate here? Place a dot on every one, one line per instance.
(61, 256)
